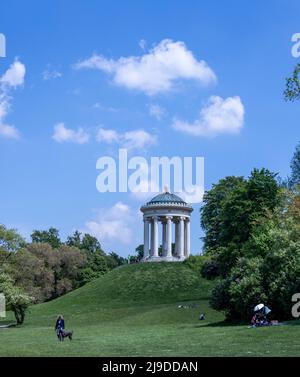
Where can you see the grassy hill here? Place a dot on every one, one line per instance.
(135, 311)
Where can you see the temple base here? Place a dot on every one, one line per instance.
(163, 259)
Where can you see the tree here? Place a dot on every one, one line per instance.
(232, 210)
(295, 168)
(268, 271)
(50, 236)
(241, 290)
(139, 250)
(292, 89)
(119, 260)
(91, 244)
(34, 270)
(10, 241)
(67, 270)
(74, 240)
(97, 264)
(16, 299)
(212, 210)
(85, 242)
(46, 273)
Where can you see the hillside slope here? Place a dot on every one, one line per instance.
(129, 287)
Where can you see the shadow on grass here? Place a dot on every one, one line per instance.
(236, 324)
(293, 322)
(7, 324)
(222, 324)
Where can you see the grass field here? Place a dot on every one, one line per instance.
(133, 311)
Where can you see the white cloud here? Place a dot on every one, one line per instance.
(63, 134)
(9, 131)
(112, 224)
(142, 44)
(156, 111)
(137, 139)
(11, 79)
(219, 116)
(107, 136)
(101, 107)
(49, 75)
(14, 76)
(156, 71)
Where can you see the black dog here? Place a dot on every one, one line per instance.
(65, 334)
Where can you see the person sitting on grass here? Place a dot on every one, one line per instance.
(260, 317)
(255, 320)
(59, 327)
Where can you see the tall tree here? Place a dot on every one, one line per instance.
(292, 88)
(50, 236)
(10, 240)
(212, 216)
(86, 242)
(295, 168)
(232, 210)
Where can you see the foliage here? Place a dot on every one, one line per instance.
(10, 241)
(45, 273)
(210, 268)
(97, 262)
(196, 262)
(292, 89)
(212, 210)
(232, 210)
(269, 272)
(50, 237)
(295, 167)
(117, 258)
(97, 265)
(16, 299)
(241, 291)
(139, 250)
(85, 242)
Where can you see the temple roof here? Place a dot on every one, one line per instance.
(166, 199)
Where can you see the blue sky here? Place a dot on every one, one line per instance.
(48, 177)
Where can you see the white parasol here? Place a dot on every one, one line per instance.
(258, 307)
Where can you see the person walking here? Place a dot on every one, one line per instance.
(59, 327)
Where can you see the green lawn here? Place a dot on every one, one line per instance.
(133, 311)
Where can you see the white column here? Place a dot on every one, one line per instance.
(176, 237)
(169, 236)
(155, 236)
(181, 237)
(187, 238)
(152, 238)
(164, 237)
(146, 238)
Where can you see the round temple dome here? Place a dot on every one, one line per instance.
(166, 197)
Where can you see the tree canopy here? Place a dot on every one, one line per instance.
(232, 209)
(292, 87)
